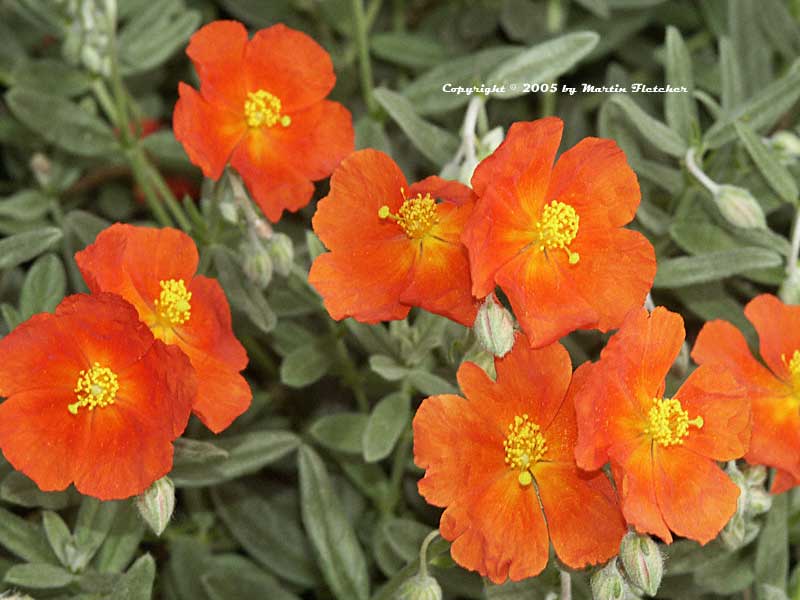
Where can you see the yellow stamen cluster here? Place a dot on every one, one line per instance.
(793, 364)
(557, 227)
(416, 216)
(174, 302)
(524, 446)
(97, 386)
(263, 108)
(669, 423)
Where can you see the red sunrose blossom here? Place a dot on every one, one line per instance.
(92, 398)
(154, 269)
(663, 450)
(502, 463)
(774, 390)
(552, 237)
(393, 246)
(262, 107)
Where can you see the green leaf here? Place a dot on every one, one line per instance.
(781, 27)
(122, 541)
(405, 536)
(369, 134)
(51, 77)
(94, 521)
(59, 537)
(386, 423)
(725, 574)
(760, 112)
(599, 8)
(426, 95)
(340, 556)
(257, 12)
(542, 63)
(25, 539)
(155, 34)
(430, 384)
(137, 582)
(408, 49)
(10, 315)
(85, 225)
(305, 365)
(44, 286)
(38, 576)
(25, 205)
(680, 108)
(62, 122)
(387, 367)
(268, 532)
(688, 270)
(776, 174)
(772, 550)
(731, 76)
(17, 488)
(22, 247)
(247, 453)
(436, 144)
(236, 578)
(342, 432)
(654, 131)
(193, 452)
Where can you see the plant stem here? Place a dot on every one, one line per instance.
(555, 16)
(168, 197)
(698, 173)
(566, 586)
(791, 267)
(360, 30)
(423, 552)
(401, 456)
(139, 168)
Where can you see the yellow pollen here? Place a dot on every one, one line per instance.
(557, 228)
(262, 108)
(174, 302)
(669, 423)
(793, 364)
(416, 216)
(96, 387)
(524, 446)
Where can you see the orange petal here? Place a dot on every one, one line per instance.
(443, 189)
(317, 140)
(714, 395)
(217, 51)
(594, 177)
(720, 344)
(366, 283)
(625, 257)
(290, 65)
(273, 182)
(637, 486)
(544, 297)
(775, 440)
(778, 327)
(696, 497)
(576, 502)
(783, 482)
(209, 133)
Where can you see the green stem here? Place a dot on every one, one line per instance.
(399, 15)
(168, 197)
(401, 456)
(423, 552)
(555, 16)
(365, 66)
(139, 168)
(566, 586)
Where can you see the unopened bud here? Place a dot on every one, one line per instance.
(739, 207)
(490, 142)
(420, 587)
(759, 501)
(256, 263)
(608, 583)
(494, 327)
(229, 211)
(643, 562)
(42, 169)
(787, 145)
(734, 533)
(157, 503)
(281, 250)
(755, 475)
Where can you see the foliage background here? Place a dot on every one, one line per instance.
(312, 493)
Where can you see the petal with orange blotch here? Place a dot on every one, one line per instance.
(576, 502)
(696, 497)
(290, 65)
(217, 52)
(211, 145)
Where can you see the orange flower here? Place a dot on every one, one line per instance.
(154, 269)
(551, 236)
(774, 391)
(662, 449)
(392, 245)
(92, 398)
(262, 107)
(502, 457)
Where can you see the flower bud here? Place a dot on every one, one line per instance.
(789, 291)
(494, 327)
(281, 250)
(759, 501)
(739, 207)
(256, 263)
(157, 503)
(643, 562)
(754, 475)
(420, 587)
(229, 211)
(42, 168)
(734, 533)
(608, 583)
(787, 145)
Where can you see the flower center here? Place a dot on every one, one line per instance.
(96, 387)
(262, 108)
(557, 228)
(669, 423)
(524, 446)
(416, 216)
(174, 302)
(793, 364)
